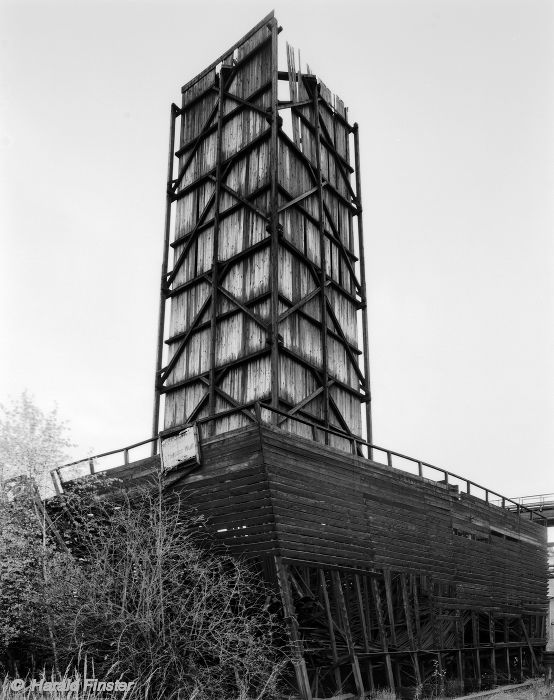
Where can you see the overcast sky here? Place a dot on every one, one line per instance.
(455, 102)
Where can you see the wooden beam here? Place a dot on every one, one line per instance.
(337, 586)
(409, 627)
(493, 648)
(298, 661)
(534, 661)
(330, 627)
(476, 644)
(390, 606)
(382, 632)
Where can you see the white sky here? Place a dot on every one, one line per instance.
(455, 101)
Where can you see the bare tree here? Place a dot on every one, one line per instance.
(182, 619)
(31, 441)
(137, 590)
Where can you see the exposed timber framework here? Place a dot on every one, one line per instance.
(263, 255)
(391, 572)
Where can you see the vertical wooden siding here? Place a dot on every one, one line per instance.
(226, 173)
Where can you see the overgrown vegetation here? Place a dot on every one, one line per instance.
(32, 441)
(127, 585)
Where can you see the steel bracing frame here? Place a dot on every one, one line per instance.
(309, 110)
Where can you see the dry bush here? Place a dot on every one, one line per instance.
(143, 598)
(173, 615)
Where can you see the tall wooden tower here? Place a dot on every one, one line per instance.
(263, 267)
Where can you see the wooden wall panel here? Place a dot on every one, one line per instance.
(269, 492)
(333, 508)
(204, 213)
(262, 279)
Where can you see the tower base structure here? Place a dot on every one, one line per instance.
(386, 578)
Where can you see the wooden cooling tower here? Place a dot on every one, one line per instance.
(263, 238)
(388, 576)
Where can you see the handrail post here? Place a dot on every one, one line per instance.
(419, 469)
(468, 488)
(389, 458)
(91, 464)
(126, 456)
(486, 495)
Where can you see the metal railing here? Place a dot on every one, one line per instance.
(540, 500)
(92, 463)
(254, 412)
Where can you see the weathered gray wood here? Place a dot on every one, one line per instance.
(290, 618)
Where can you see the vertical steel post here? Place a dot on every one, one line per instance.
(322, 258)
(215, 251)
(163, 281)
(274, 222)
(363, 290)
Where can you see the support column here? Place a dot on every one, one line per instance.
(476, 644)
(363, 292)
(493, 648)
(337, 585)
(409, 627)
(163, 278)
(382, 633)
(215, 251)
(274, 223)
(331, 628)
(298, 661)
(534, 662)
(459, 657)
(506, 642)
(323, 256)
(367, 618)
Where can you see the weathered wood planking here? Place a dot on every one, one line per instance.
(269, 492)
(346, 510)
(382, 565)
(200, 215)
(263, 287)
(297, 163)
